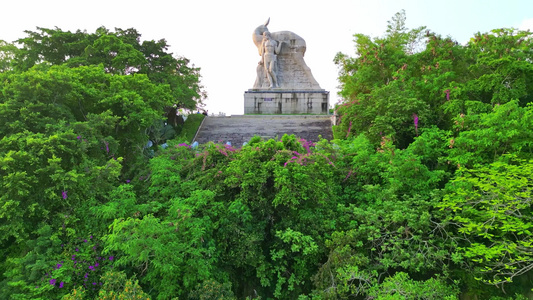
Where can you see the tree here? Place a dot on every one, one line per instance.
(387, 223)
(483, 138)
(400, 286)
(490, 207)
(120, 52)
(75, 110)
(115, 285)
(396, 85)
(7, 55)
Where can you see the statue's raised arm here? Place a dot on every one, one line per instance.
(257, 36)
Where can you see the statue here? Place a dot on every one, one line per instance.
(282, 65)
(268, 51)
(284, 83)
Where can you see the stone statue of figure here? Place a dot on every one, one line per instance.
(268, 51)
(282, 67)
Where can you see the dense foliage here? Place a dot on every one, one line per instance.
(76, 113)
(424, 194)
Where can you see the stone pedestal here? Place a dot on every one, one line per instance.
(288, 102)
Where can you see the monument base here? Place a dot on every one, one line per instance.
(286, 102)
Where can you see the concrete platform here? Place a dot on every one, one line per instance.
(291, 102)
(241, 128)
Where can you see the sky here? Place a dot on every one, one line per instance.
(216, 35)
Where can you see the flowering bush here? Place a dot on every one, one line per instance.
(82, 266)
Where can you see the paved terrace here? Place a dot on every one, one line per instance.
(241, 128)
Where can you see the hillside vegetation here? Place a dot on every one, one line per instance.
(425, 192)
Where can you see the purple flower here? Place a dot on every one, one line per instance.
(128, 181)
(349, 129)
(347, 176)
(73, 256)
(86, 275)
(61, 284)
(79, 137)
(58, 266)
(306, 144)
(52, 281)
(85, 241)
(64, 195)
(447, 94)
(415, 118)
(106, 146)
(96, 265)
(77, 249)
(111, 257)
(91, 268)
(94, 283)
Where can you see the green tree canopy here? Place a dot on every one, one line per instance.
(120, 52)
(76, 113)
(424, 194)
(409, 80)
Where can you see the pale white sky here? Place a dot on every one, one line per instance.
(216, 35)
